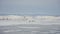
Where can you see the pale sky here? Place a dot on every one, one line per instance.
(30, 7)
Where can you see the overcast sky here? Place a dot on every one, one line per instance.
(30, 7)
